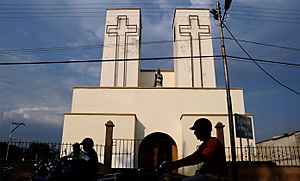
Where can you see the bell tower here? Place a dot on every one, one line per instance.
(192, 39)
(121, 42)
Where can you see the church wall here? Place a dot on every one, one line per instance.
(79, 125)
(157, 109)
(147, 100)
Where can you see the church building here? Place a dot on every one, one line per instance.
(155, 106)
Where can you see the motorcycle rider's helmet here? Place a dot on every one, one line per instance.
(88, 142)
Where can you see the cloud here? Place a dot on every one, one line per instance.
(197, 2)
(38, 114)
(88, 69)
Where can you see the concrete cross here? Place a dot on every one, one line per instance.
(121, 31)
(194, 30)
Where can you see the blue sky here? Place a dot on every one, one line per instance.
(39, 95)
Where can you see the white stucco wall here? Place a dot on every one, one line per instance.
(192, 37)
(81, 125)
(158, 109)
(137, 112)
(122, 41)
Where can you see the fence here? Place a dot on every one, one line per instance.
(279, 155)
(34, 151)
(125, 153)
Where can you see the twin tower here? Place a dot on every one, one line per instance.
(192, 47)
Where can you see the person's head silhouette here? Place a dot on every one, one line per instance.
(87, 144)
(202, 128)
(76, 147)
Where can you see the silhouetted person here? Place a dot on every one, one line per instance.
(158, 80)
(76, 153)
(211, 153)
(88, 162)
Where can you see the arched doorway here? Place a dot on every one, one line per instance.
(156, 148)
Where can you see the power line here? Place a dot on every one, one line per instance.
(103, 9)
(141, 3)
(70, 48)
(82, 47)
(31, 132)
(266, 16)
(98, 3)
(265, 20)
(100, 60)
(266, 61)
(144, 59)
(266, 8)
(149, 15)
(157, 11)
(265, 44)
(254, 61)
(75, 13)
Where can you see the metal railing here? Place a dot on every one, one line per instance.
(125, 153)
(274, 155)
(35, 151)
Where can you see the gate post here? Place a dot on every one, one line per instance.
(108, 144)
(220, 133)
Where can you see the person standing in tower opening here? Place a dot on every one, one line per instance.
(211, 153)
(158, 80)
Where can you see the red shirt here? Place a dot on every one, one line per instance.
(214, 150)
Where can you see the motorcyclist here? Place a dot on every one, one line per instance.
(76, 153)
(87, 164)
(211, 152)
(83, 165)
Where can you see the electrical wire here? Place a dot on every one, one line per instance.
(142, 3)
(264, 44)
(31, 131)
(269, 62)
(84, 47)
(144, 59)
(100, 60)
(254, 61)
(70, 48)
(99, 3)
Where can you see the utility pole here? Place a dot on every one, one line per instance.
(13, 127)
(218, 16)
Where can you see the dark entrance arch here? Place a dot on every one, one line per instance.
(156, 148)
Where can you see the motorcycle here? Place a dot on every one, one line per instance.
(144, 174)
(45, 170)
(56, 170)
(5, 173)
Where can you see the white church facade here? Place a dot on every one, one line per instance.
(126, 95)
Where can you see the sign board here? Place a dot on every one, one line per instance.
(243, 126)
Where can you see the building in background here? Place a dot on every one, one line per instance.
(286, 139)
(282, 149)
(159, 116)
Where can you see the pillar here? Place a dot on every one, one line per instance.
(220, 131)
(108, 144)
